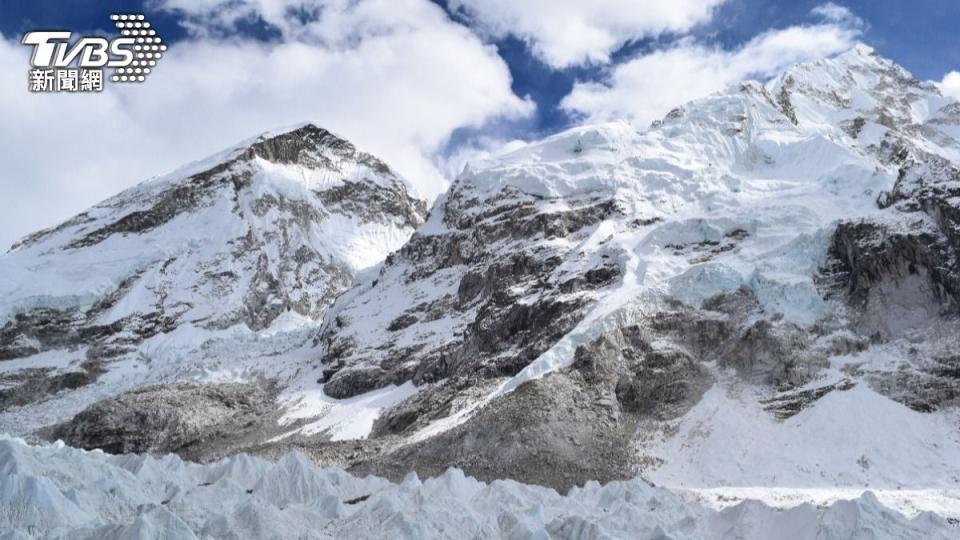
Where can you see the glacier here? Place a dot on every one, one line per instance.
(57, 492)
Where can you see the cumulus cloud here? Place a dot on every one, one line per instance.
(569, 32)
(397, 77)
(647, 87)
(950, 85)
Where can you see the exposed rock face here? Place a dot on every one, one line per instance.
(559, 431)
(260, 237)
(902, 267)
(927, 385)
(647, 376)
(502, 290)
(897, 275)
(167, 418)
(44, 329)
(581, 423)
(25, 386)
(775, 354)
(789, 404)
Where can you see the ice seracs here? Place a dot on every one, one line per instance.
(61, 492)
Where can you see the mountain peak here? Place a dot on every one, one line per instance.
(861, 50)
(310, 145)
(306, 144)
(259, 237)
(303, 136)
(853, 87)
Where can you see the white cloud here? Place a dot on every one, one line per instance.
(478, 149)
(950, 86)
(394, 76)
(647, 87)
(570, 32)
(836, 13)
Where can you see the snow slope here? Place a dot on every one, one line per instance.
(851, 438)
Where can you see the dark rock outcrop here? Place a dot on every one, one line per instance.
(511, 296)
(646, 376)
(900, 270)
(29, 385)
(167, 418)
(557, 431)
(788, 404)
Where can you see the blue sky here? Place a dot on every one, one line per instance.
(922, 36)
(426, 84)
(893, 28)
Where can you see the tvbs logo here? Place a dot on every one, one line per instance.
(63, 63)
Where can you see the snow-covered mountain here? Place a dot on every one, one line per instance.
(149, 285)
(756, 297)
(776, 259)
